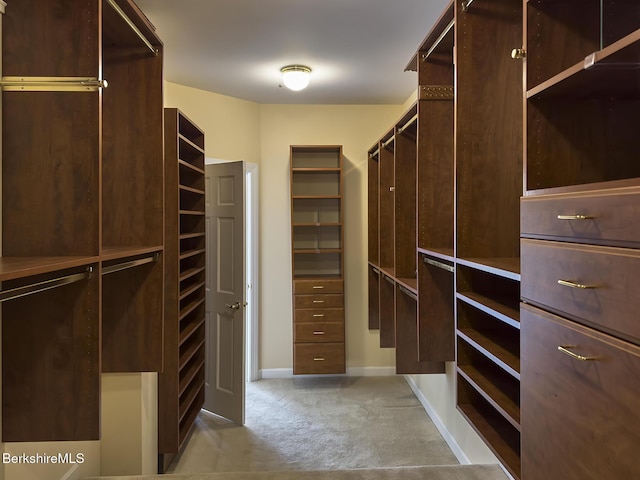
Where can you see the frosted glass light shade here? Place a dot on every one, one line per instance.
(296, 77)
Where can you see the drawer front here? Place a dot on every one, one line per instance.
(317, 286)
(318, 301)
(318, 332)
(319, 315)
(310, 358)
(608, 217)
(582, 410)
(554, 274)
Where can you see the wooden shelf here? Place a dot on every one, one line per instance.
(12, 268)
(503, 440)
(494, 350)
(191, 253)
(118, 253)
(493, 393)
(187, 188)
(190, 167)
(187, 333)
(504, 267)
(499, 310)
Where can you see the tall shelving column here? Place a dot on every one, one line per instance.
(317, 242)
(580, 241)
(181, 383)
(132, 192)
(73, 156)
(488, 159)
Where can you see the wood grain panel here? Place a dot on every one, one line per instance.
(608, 213)
(387, 209)
(318, 315)
(374, 298)
(610, 303)
(318, 358)
(387, 312)
(51, 363)
(435, 174)
(45, 38)
(405, 202)
(319, 332)
(318, 301)
(488, 129)
(132, 169)
(406, 338)
(436, 320)
(373, 225)
(318, 286)
(585, 411)
(50, 173)
(132, 319)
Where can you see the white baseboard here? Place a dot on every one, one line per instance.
(446, 435)
(351, 372)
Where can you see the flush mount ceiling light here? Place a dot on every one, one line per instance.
(296, 77)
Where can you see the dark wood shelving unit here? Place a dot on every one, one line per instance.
(317, 249)
(181, 383)
(82, 189)
(582, 182)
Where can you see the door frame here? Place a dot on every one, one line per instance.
(252, 228)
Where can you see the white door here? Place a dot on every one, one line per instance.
(225, 291)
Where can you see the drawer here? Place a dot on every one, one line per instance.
(319, 315)
(597, 285)
(317, 286)
(608, 212)
(310, 358)
(579, 418)
(321, 332)
(318, 301)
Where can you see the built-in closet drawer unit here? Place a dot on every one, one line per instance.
(599, 216)
(318, 333)
(589, 284)
(318, 358)
(579, 401)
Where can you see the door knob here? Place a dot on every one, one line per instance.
(233, 306)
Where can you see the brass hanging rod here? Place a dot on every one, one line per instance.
(131, 264)
(52, 84)
(45, 285)
(132, 25)
(409, 293)
(438, 264)
(409, 122)
(438, 40)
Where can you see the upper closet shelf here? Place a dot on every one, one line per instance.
(503, 267)
(613, 71)
(12, 268)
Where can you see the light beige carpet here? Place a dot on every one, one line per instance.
(323, 428)
(455, 472)
(319, 423)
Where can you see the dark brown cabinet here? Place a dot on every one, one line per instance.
(82, 211)
(579, 241)
(181, 383)
(317, 240)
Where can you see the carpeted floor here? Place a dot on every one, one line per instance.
(323, 428)
(320, 423)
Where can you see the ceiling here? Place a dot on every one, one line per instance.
(357, 49)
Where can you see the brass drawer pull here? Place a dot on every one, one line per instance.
(318, 315)
(318, 359)
(318, 301)
(575, 217)
(567, 283)
(318, 332)
(565, 349)
(317, 286)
